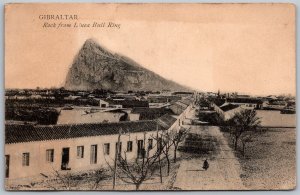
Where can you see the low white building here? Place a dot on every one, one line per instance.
(275, 105)
(34, 150)
(246, 102)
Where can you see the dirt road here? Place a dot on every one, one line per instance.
(224, 169)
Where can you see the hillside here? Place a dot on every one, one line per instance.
(95, 67)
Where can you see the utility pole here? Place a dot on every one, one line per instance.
(159, 145)
(116, 159)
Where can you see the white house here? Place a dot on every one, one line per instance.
(34, 150)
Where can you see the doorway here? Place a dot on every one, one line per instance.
(6, 166)
(65, 157)
(140, 150)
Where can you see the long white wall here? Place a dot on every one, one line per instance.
(37, 151)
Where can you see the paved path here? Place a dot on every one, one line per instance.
(223, 173)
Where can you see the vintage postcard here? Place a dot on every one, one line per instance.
(150, 97)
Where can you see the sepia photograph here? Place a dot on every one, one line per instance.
(150, 97)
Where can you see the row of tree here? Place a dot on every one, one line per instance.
(244, 127)
(143, 167)
(40, 115)
(130, 171)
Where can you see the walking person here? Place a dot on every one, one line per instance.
(205, 165)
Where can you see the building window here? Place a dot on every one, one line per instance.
(150, 144)
(50, 155)
(129, 146)
(106, 149)
(93, 154)
(25, 159)
(80, 151)
(7, 158)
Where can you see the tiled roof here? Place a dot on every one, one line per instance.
(162, 99)
(151, 113)
(28, 133)
(228, 107)
(178, 107)
(166, 120)
(150, 110)
(128, 103)
(245, 100)
(183, 92)
(186, 101)
(181, 104)
(219, 102)
(277, 102)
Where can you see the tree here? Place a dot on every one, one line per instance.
(176, 138)
(139, 170)
(248, 137)
(98, 176)
(164, 144)
(166, 148)
(242, 122)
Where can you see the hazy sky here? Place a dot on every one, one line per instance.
(248, 48)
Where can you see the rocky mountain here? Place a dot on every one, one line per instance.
(95, 67)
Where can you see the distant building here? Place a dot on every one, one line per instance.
(271, 97)
(162, 98)
(148, 113)
(102, 103)
(183, 93)
(166, 92)
(275, 104)
(124, 96)
(159, 105)
(90, 115)
(127, 103)
(227, 111)
(217, 102)
(246, 102)
(211, 94)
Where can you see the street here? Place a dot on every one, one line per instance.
(224, 168)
